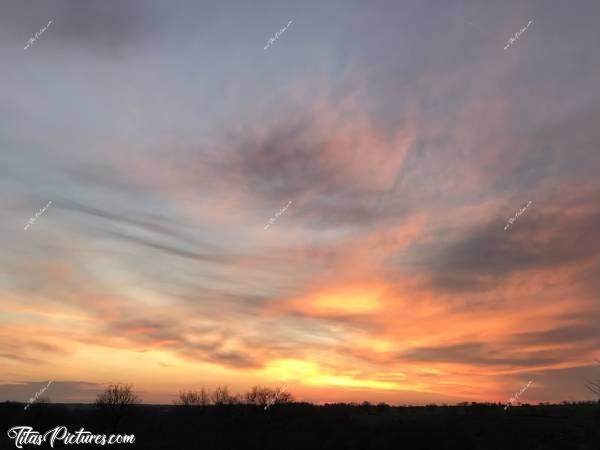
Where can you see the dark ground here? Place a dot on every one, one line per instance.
(332, 427)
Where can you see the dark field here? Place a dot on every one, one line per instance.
(308, 427)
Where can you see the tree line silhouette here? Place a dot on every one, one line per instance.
(217, 419)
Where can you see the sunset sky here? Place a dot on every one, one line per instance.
(402, 133)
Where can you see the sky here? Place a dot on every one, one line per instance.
(387, 144)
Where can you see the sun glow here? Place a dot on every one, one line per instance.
(309, 373)
(361, 300)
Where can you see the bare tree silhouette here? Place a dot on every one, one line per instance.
(284, 397)
(591, 386)
(594, 387)
(221, 396)
(193, 398)
(264, 396)
(259, 395)
(116, 403)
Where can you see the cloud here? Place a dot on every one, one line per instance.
(475, 353)
(390, 272)
(172, 250)
(325, 156)
(145, 223)
(196, 345)
(486, 255)
(97, 26)
(574, 334)
(20, 358)
(57, 391)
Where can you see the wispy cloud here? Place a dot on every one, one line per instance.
(395, 282)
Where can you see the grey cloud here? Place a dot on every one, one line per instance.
(487, 255)
(478, 354)
(563, 335)
(100, 175)
(57, 391)
(104, 27)
(153, 330)
(205, 257)
(289, 163)
(150, 331)
(156, 224)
